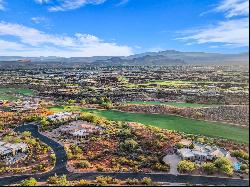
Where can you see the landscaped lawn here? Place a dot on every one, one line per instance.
(174, 123)
(176, 104)
(11, 94)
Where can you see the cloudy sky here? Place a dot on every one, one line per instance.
(122, 27)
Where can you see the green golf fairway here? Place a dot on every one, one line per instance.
(170, 122)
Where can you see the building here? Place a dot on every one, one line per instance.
(60, 116)
(201, 152)
(79, 129)
(186, 143)
(10, 150)
(186, 154)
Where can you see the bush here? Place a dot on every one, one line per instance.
(243, 167)
(191, 146)
(40, 167)
(53, 156)
(224, 165)
(29, 182)
(26, 134)
(240, 154)
(147, 181)
(125, 133)
(104, 181)
(179, 146)
(200, 140)
(83, 183)
(209, 168)
(161, 167)
(91, 118)
(59, 181)
(186, 166)
(132, 182)
(129, 145)
(83, 164)
(100, 169)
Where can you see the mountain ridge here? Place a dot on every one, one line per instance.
(168, 57)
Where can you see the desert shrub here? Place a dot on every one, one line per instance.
(83, 183)
(161, 167)
(104, 181)
(179, 146)
(82, 164)
(209, 168)
(132, 182)
(240, 154)
(186, 166)
(59, 181)
(29, 182)
(129, 145)
(224, 165)
(243, 167)
(146, 181)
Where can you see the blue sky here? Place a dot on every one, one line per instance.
(122, 27)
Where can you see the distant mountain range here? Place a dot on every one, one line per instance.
(161, 58)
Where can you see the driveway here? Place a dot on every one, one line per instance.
(173, 161)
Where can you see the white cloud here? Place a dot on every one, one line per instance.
(122, 2)
(6, 45)
(35, 42)
(38, 19)
(234, 8)
(232, 32)
(64, 5)
(1, 5)
(43, 1)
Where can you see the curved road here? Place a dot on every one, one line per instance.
(61, 162)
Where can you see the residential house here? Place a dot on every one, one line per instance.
(10, 150)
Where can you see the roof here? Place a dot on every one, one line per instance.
(217, 153)
(187, 153)
(201, 153)
(6, 148)
(186, 142)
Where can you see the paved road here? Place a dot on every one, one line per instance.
(60, 169)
